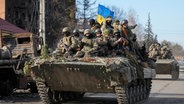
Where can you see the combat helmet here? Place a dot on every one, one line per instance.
(109, 18)
(91, 22)
(98, 31)
(76, 32)
(165, 43)
(116, 22)
(124, 22)
(66, 29)
(87, 31)
(106, 32)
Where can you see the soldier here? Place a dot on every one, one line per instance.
(117, 43)
(165, 52)
(127, 33)
(67, 44)
(93, 26)
(89, 45)
(107, 24)
(78, 39)
(102, 42)
(153, 51)
(92, 23)
(116, 24)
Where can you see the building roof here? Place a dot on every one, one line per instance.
(4, 25)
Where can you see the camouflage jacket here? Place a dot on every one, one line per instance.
(101, 41)
(126, 33)
(115, 44)
(105, 26)
(89, 45)
(67, 42)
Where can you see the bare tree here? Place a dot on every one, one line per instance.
(85, 10)
(133, 19)
(176, 49)
(58, 15)
(119, 13)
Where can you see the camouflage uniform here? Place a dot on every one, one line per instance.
(116, 24)
(67, 44)
(93, 26)
(89, 45)
(107, 24)
(127, 33)
(117, 43)
(102, 42)
(153, 51)
(77, 38)
(165, 52)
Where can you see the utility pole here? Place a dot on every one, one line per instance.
(42, 21)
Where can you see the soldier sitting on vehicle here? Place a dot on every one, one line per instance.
(126, 32)
(67, 44)
(93, 25)
(89, 45)
(78, 39)
(107, 24)
(116, 24)
(153, 51)
(118, 43)
(165, 52)
(103, 43)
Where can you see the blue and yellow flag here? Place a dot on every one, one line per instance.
(103, 13)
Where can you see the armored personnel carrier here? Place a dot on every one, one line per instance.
(168, 66)
(67, 79)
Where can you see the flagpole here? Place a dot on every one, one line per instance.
(42, 21)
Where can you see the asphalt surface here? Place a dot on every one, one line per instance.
(164, 91)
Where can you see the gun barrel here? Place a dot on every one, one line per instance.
(8, 62)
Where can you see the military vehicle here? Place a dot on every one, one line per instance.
(18, 49)
(60, 80)
(8, 77)
(168, 66)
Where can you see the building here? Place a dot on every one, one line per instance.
(6, 26)
(2, 9)
(25, 14)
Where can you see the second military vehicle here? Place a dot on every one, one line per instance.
(15, 49)
(60, 80)
(168, 66)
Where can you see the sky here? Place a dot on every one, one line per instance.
(167, 16)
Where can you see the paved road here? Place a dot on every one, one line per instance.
(164, 91)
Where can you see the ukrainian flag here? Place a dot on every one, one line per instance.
(103, 13)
